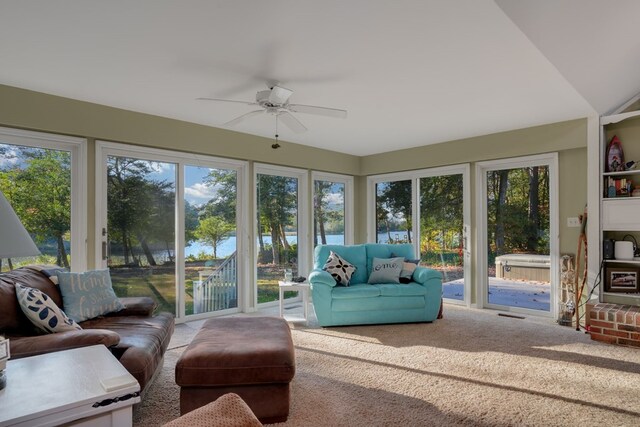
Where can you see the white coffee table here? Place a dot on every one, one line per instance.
(84, 386)
(303, 288)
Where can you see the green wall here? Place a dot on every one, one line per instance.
(37, 111)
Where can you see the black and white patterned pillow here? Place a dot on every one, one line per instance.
(339, 268)
(42, 311)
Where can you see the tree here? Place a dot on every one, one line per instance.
(141, 210)
(39, 190)
(394, 199)
(213, 230)
(277, 210)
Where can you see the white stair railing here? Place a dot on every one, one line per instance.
(216, 289)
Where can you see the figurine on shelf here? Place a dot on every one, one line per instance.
(615, 156)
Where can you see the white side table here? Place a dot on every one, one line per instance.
(85, 386)
(304, 288)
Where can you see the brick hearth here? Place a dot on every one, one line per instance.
(614, 323)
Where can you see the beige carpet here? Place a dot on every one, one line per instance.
(470, 368)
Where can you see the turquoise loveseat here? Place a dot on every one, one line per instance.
(361, 303)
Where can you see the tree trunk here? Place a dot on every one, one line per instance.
(147, 251)
(125, 247)
(275, 244)
(502, 196)
(534, 208)
(62, 253)
(319, 214)
(285, 243)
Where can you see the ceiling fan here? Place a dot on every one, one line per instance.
(275, 101)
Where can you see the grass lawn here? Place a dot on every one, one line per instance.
(159, 284)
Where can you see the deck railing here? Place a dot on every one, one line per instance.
(216, 289)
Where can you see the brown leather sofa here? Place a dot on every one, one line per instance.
(136, 336)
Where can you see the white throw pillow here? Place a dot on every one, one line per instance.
(339, 268)
(42, 311)
(386, 270)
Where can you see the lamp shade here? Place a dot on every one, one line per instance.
(14, 239)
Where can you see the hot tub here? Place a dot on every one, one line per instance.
(534, 268)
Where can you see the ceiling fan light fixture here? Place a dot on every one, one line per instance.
(279, 95)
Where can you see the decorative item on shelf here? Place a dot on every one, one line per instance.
(608, 246)
(624, 250)
(618, 187)
(4, 356)
(615, 155)
(621, 279)
(566, 308)
(630, 165)
(636, 191)
(636, 249)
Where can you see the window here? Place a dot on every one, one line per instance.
(281, 237)
(42, 176)
(332, 209)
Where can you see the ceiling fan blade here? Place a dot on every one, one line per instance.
(243, 117)
(226, 100)
(291, 122)
(323, 111)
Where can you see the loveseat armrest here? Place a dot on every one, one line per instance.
(422, 275)
(136, 306)
(40, 344)
(321, 276)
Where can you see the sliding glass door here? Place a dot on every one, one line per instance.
(518, 206)
(140, 246)
(443, 231)
(168, 228)
(211, 245)
(429, 209)
(280, 227)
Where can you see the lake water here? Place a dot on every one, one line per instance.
(227, 247)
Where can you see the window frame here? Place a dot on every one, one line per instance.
(79, 205)
(304, 226)
(551, 161)
(180, 159)
(347, 180)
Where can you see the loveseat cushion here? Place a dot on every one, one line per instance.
(355, 291)
(404, 290)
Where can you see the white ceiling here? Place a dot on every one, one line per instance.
(410, 73)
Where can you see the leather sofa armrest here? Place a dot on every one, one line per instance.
(422, 275)
(40, 344)
(136, 306)
(321, 276)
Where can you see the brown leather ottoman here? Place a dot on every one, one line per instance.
(250, 356)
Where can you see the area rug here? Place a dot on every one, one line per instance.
(471, 368)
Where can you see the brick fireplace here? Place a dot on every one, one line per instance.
(614, 323)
